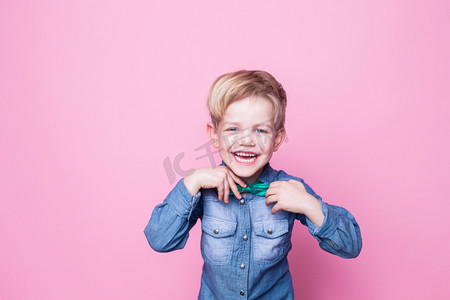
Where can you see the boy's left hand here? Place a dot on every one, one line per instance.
(292, 196)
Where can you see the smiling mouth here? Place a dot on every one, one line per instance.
(245, 157)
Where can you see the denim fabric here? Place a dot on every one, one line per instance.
(243, 245)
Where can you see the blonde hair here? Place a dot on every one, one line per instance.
(236, 86)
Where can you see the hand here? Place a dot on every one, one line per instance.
(219, 177)
(292, 196)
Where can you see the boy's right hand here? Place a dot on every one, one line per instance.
(219, 177)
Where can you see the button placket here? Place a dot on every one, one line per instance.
(244, 247)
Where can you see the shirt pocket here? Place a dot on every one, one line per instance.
(270, 240)
(217, 240)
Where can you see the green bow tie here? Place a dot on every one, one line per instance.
(256, 188)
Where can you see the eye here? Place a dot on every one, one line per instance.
(260, 130)
(231, 129)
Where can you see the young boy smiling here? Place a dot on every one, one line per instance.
(247, 208)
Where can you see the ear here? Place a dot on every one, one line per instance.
(279, 138)
(212, 133)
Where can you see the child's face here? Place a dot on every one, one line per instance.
(246, 136)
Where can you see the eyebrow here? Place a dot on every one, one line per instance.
(266, 123)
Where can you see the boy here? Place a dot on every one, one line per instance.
(247, 208)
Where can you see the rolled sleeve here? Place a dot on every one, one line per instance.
(181, 201)
(328, 226)
(339, 234)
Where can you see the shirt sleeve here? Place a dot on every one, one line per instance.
(169, 225)
(339, 233)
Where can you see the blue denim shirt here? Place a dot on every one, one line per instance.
(244, 246)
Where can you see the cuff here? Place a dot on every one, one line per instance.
(329, 224)
(181, 201)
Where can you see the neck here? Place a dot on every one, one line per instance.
(253, 178)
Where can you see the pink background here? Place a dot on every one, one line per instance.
(95, 95)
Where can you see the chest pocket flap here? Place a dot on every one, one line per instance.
(218, 228)
(271, 229)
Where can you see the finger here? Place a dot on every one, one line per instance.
(226, 190)
(276, 208)
(233, 187)
(302, 186)
(220, 192)
(237, 179)
(271, 199)
(271, 191)
(295, 181)
(275, 184)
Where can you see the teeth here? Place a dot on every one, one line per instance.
(245, 154)
(249, 157)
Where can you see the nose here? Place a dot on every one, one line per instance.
(247, 138)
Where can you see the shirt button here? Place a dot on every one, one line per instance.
(242, 293)
(245, 238)
(242, 266)
(242, 202)
(269, 231)
(216, 231)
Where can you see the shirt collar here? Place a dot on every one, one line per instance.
(268, 175)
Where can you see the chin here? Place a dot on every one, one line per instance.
(245, 172)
